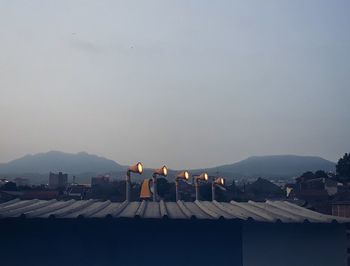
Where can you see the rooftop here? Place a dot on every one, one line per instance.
(269, 211)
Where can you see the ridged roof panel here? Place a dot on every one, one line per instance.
(174, 211)
(270, 211)
(110, 210)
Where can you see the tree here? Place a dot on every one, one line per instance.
(9, 186)
(321, 174)
(307, 176)
(343, 167)
(165, 189)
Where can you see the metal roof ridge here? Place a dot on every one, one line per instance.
(307, 211)
(256, 204)
(268, 211)
(184, 209)
(38, 213)
(163, 210)
(252, 210)
(207, 211)
(141, 209)
(10, 202)
(120, 208)
(103, 205)
(86, 203)
(329, 218)
(19, 211)
(227, 210)
(20, 204)
(306, 216)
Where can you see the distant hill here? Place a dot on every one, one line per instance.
(84, 166)
(55, 161)
(274, 166)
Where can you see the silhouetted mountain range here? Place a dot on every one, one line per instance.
(56, 161)
(84, 165)
(274, 166)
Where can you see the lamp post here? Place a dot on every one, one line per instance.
(137, 168)
(218, 181)
(162, 172)
(181, 176)
(202, 177)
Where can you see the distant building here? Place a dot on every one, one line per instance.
(3, 181)
(100, 180)
(59, 180)
(318, 184)
(39, 194)
(319, 192)
(21, 182)
(331, 186)
(341, 209)
(77, 191)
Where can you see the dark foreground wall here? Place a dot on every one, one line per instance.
(120, 242)
(294, 244)
(165, 242)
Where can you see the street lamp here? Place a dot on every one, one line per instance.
(138, 169)
(163, 171)
(218, 181)
(181, 176)
(202, 177)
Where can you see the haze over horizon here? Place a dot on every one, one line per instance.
(154, 166)
(190, 84)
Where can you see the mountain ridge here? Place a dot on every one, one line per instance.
(60, 161)
(87, 165)
(275, 166)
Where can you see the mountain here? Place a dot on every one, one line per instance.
(84, 166)
(55, 161)
(284, 166)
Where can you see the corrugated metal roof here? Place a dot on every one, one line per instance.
(269, 211)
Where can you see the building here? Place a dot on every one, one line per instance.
(89, 232)
(319, 192)
(3, 181)
(77, 191)
(40, 194)
(328, 185)
(59, 180)
(331, 186)
(100, 181)
(341, 209)
(21, 182)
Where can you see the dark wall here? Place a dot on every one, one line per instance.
(294, 244)
(120, 242)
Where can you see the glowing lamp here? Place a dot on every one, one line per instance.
(203, 177)
(183, 175)
(219, 181)
(137, 168)
(163, 171)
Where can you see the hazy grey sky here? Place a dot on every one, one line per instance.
(187, 83)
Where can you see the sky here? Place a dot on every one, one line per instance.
(189, 84)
